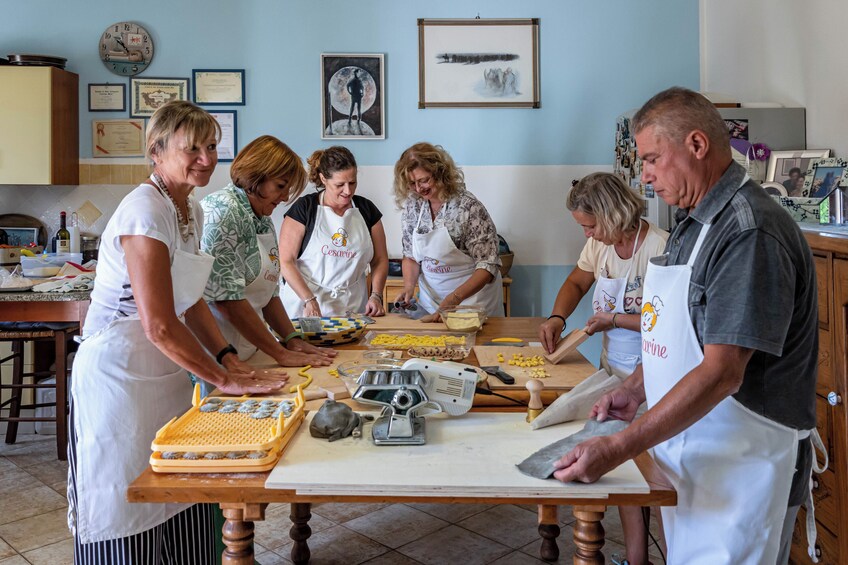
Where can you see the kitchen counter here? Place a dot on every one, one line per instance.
(30, 296)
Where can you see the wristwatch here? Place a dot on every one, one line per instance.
(229, 349)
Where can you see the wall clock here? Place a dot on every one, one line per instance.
(126, 48)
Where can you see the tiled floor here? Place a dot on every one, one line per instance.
(33, 524)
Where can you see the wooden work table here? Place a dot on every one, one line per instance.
(244, 498)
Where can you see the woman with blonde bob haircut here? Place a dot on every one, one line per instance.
(450, 243)
(615, 259)
(243, 288)
(147, 326)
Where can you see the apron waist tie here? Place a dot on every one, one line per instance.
(817, 444)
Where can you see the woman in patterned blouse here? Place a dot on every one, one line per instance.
(243, 289)
(450, 244)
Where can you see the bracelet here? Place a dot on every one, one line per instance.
(291, 336)
(613, 320)
(458, 297)
(378, 296)
(229, 349)
(310, 299)
(558, 316)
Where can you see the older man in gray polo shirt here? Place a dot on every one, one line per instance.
(730, 345)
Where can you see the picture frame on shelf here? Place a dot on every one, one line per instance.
(228, 147)
(219, 87)
(789, 168)
(478, 63)
(824, 176)
(107, 97)
(148, 94)
(353, 101)
(117, 138)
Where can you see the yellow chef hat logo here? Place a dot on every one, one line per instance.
(650, 313)
(340, 238)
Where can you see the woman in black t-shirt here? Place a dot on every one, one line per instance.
(327, 242)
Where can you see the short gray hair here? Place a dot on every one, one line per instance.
(676, 112)
(198, 125)
(616, 207)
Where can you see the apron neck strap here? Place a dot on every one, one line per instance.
(698, 243)
(421, 214)
(632, 253)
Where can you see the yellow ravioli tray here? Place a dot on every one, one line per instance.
(205, 432)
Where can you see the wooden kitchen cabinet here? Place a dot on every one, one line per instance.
(39, 118)
(830, 489)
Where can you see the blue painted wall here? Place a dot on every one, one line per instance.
(597, 59)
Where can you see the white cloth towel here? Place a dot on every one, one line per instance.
(75, 284)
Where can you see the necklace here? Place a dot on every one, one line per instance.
(186, 225)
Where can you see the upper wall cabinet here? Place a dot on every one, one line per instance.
(39, 126)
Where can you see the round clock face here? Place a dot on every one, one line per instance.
(126, 48)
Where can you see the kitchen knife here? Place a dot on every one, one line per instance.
(499, 374)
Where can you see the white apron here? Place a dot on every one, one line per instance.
(732, 468)
(334, 264)
(124, 390)
(622, 348)
(444, 268)
(258, 294)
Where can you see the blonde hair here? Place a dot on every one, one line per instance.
(677, 111)
(196, 122)
(448, 179)
(264, 158)
(329, 161)
(616, 208)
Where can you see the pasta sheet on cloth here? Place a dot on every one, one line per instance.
(576, 403)
(541, 463)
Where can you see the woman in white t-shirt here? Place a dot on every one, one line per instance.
(147, 325)
(615, 258)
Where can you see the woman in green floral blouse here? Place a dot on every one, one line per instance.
(243, 289)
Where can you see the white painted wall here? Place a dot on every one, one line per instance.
(785, 51)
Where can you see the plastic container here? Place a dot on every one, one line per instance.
(463, 318)
(48, 265)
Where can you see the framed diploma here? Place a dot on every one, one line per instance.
(228, 146)
(149, 94)
(223, 87)
(107, 97)
(117, 138)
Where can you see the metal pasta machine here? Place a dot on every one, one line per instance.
(418, 388)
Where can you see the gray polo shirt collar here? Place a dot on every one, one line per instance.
(719, 195)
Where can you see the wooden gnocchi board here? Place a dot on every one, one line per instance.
(570, 372)
(396, 322)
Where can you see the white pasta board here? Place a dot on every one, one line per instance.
(474, 455)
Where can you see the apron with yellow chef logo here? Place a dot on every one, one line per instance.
(124, 389)
(622, 348)
(258, 294)
(444, 267)
(334, 264)
(733, 468)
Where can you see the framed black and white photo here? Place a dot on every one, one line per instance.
(228, 146)
(149, 94)
(824, 176)
(352, 96)
(478, 63)
(219, 87)
(789, 168)
(107, 97)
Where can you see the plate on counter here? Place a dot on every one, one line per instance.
(17, 288)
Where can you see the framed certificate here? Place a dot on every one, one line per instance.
(222, 87)
(107, 97)
(117, 138)
(149, 94)
(228, 146)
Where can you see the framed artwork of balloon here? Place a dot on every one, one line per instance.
(353, 96)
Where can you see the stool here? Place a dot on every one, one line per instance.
(59, 334)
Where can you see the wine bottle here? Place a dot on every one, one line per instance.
(63, 236)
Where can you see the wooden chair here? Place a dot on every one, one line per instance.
(18, 335)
